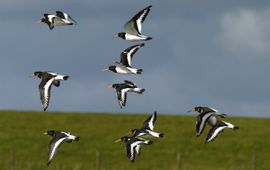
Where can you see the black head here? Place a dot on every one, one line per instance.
(112, 68)
(124, 138)
(38, 74)
(43, 20)
(199, 109)
(121, 35)
(115, 86)
(50, 132)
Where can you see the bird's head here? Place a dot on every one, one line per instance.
(110, 68)
(112, 86)
(196, 109)
(122, 139)
(49, 132)
(120, 35)
(37, 74)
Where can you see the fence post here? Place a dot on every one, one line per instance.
(178, 161)
(253, 161)
(12, 160)
(97, 160)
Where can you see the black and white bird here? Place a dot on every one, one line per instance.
(58, 137)
(217, 127)
(124, 66)
(147, 129)
(133, 28)
(47, 79)
(59, 19)
(132, 146)
(123, 88)
(204, 114)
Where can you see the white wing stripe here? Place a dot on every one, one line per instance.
(55, 147)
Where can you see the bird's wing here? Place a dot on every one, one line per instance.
(138, 149)
(150, 121)
(134, 25)
(127, 54)
(62, 15)
(133, 150)
(54, 144)
(201, 122)
(45, 92)
(122, 97)
(130, 83)
(213, 133)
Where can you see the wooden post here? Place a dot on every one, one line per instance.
(253, 161)
(178, 161)
(12, 160)
(97, 160)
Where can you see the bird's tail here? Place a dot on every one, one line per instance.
(148, 142)
(235, 127)
(148, 38)
(139, 90)
(139, 71)
(161, 135)
(77, 138)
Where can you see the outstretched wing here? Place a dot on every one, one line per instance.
(150, 121)
(127, 54)
(122, 97)
(53, 146)
(45, 92)
(202, 118)
(213, 133)
(134, 25)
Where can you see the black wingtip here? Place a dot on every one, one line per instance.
(48, 163)
(149, 38)
(161, 135)
(77, 138)
(149, 6)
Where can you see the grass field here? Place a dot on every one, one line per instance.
(24, 147)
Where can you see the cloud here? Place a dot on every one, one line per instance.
(246, 31)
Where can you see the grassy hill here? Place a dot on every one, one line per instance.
(24, 147)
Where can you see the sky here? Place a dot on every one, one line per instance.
(203, 53)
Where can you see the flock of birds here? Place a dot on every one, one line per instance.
(139, 136)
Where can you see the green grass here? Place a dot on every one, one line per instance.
(24, 147)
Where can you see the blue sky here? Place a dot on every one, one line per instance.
(203, 53)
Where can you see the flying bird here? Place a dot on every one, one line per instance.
(133, 27)
(148, 128)
(59, 19)
(58, 137)
(47, 79)
(124, 66)
(217, 127)
(204, 114)
(123, 88)
(132, 145)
